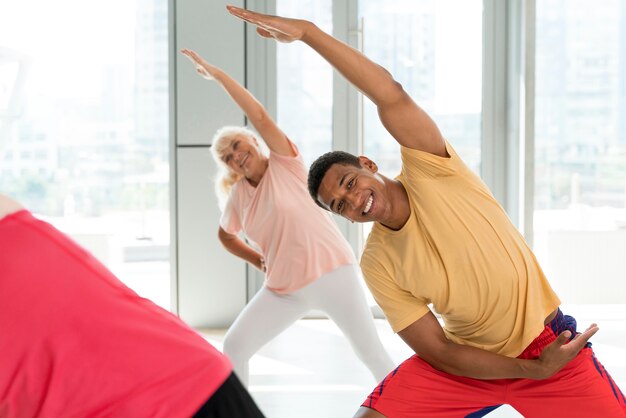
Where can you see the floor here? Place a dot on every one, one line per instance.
(310, 371)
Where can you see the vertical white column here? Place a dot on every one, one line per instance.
(347, 104)
(209, 284)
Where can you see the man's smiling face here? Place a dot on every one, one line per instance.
(356, 193)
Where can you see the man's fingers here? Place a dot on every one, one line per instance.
(240, 12)
(585, 336)
(243, 14)
(264, 33)
(261, 20)
(234, 10)
(271, 26)
(563, 337)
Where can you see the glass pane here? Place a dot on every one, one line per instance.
(434, 49)
(305, 83)
(580, 148)
(84, 127)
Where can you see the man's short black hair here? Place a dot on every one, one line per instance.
(322, 165)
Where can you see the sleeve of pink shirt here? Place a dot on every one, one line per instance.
(230, 220)
(294, 164)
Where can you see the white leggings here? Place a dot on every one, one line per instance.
(338, 294)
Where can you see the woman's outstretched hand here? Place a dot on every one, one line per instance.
(203, 68)
(280, 28)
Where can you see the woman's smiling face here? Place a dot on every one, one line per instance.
(243, 155)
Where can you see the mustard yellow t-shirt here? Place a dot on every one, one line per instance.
(459, 251)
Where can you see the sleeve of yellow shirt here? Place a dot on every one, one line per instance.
(420, 165)
(400, 306)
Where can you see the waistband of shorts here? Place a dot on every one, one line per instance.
(552, 330)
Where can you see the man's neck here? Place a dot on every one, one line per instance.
(400, 206)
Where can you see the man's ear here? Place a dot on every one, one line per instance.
(368, 164)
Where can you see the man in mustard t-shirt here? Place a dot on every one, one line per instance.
(441, 238)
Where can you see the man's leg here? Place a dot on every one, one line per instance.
(365, 412)
(582, 389)
(415, 389)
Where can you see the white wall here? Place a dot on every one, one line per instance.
(600, 279)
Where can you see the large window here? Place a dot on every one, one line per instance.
(84, 127)
(305, 83)
(420, 43)
(580, 148)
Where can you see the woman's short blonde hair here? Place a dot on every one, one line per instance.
(226, 178)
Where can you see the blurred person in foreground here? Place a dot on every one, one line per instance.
(76, 342)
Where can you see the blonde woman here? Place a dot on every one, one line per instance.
(307, 262)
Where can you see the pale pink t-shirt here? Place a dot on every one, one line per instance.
(299, 240)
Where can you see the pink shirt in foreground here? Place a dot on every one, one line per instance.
(76, 342)
(299, 240)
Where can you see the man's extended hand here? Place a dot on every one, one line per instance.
(280, 28)
(560, 352)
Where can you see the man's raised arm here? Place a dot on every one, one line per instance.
(400, 115)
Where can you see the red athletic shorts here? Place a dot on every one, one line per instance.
(583, 388)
